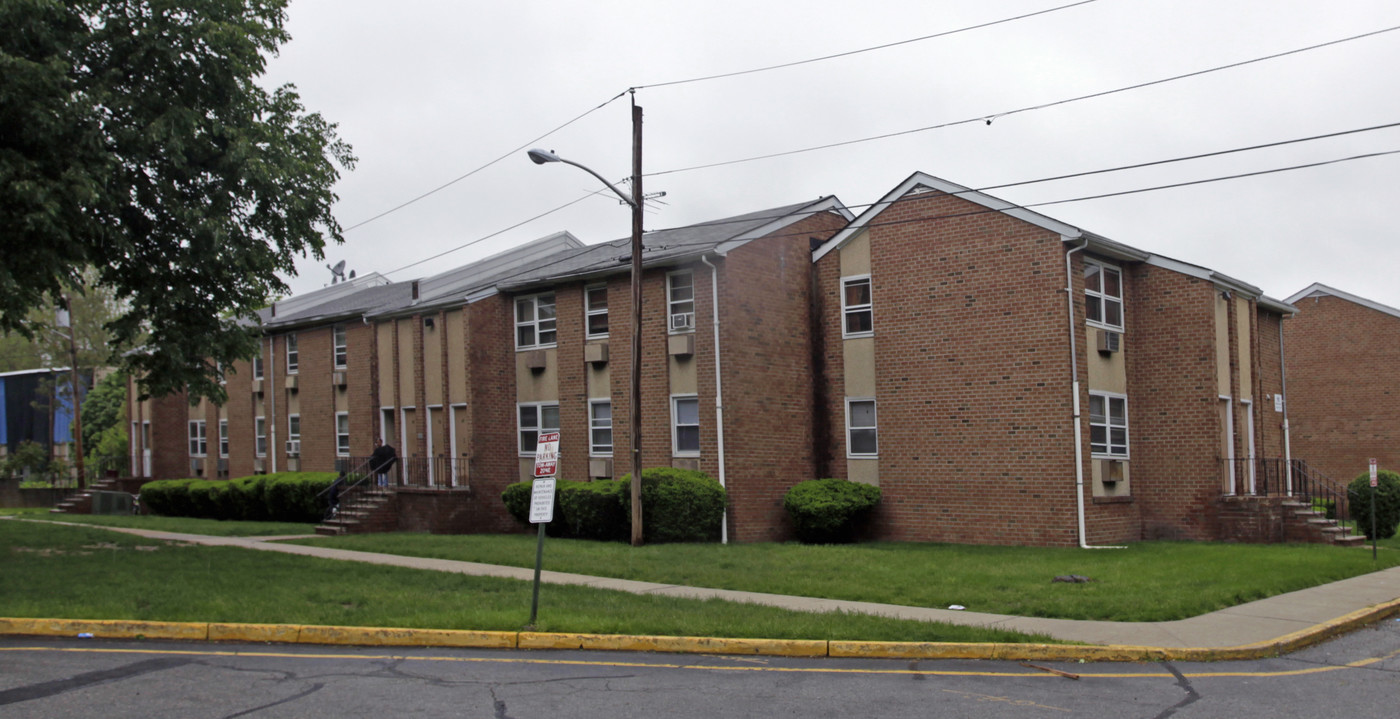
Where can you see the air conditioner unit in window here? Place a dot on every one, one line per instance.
(683, 321)
(294, 447)
(1110, 342)
(197, 466)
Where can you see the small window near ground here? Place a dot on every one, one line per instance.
(600, 436)
(685, 425)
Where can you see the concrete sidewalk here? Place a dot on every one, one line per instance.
(1315, 610)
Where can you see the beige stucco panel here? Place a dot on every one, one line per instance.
(537, 385)
(599, 380)
(1222, 345)
(456, 357)
(1107, 372)
(684, 376)
(406, 363)
(860, 366)
(1244, 326)
(855, 256)
(342, 399)
(385, 342)
(293, 403)
(863, 470)
(432, 362)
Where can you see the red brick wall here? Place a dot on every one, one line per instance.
(1173, 404)
(829, 360)
(1343, 404)
(490, 379)
(361, 386)
(572, 374)
(972, 377)
(170, 448)
(767, 373)
(316, 404)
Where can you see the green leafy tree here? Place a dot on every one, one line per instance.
(104, 419)
(134, 140)
(94, 306)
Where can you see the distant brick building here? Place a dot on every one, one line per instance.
(1343, 381)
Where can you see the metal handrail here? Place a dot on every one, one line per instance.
(1295, 478)
(351, 489)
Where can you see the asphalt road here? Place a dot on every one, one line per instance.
(1356, 676)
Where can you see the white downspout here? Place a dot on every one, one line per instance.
(719, 393)
(1283, 375)
(271, 420)
(1074, 387)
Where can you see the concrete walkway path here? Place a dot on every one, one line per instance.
(1260, 621)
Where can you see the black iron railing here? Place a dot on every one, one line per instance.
(1276, 477)
(435, 472)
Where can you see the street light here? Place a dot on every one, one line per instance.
(540, 157)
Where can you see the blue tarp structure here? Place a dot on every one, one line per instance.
(24, 407)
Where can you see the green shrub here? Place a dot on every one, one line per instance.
(205, 497)
(678, 505)
(293, 496)
(593, 510)
(517, 500)
(1387, 496)
(168, 497)
(825, 511)
(248, 497)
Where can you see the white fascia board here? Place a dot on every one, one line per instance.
(1317, 289)
(920, 179)
(825, 204)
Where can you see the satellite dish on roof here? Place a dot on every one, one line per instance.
(337, 272)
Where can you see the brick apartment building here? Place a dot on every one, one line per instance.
(1343, 365)
(940, 345)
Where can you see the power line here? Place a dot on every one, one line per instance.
(989, 118)
(452, 182)
(1154, 188)
(493, 234)
(864, 50)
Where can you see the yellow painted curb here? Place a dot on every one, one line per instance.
(106, 628)
(687, 645)
(397, 637)
(278, 633)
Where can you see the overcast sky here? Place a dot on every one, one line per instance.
(428, 91)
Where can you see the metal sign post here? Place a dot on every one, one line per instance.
(1375, 480)
(542, 503)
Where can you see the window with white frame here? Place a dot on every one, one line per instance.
(342, 434)
(1108, 424)
(199, 440)
(600, 436)
(533, 418)
(858, 318)
(862, 436)
(535, 321)
(292, 355)
(260, 436)
(685, 425)
(339, 345)
(595, 309)
(680, 301)
(1103, 295)
(223, 438)
(257, 367)
(293, 434)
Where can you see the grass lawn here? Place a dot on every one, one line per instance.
(61, 571)
(1149, 581)
(182, 525)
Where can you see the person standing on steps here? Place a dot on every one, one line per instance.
(381, 461)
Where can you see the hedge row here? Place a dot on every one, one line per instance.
(678, 505)
(826, 511)
(280, 497)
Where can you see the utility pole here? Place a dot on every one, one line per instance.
(637, 199)
(77, 397)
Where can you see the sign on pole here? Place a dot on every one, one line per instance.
(542, 503)
(1375, 480)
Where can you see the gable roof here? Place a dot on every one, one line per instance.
(671, 246)
(920, 182)
(1317, 289)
